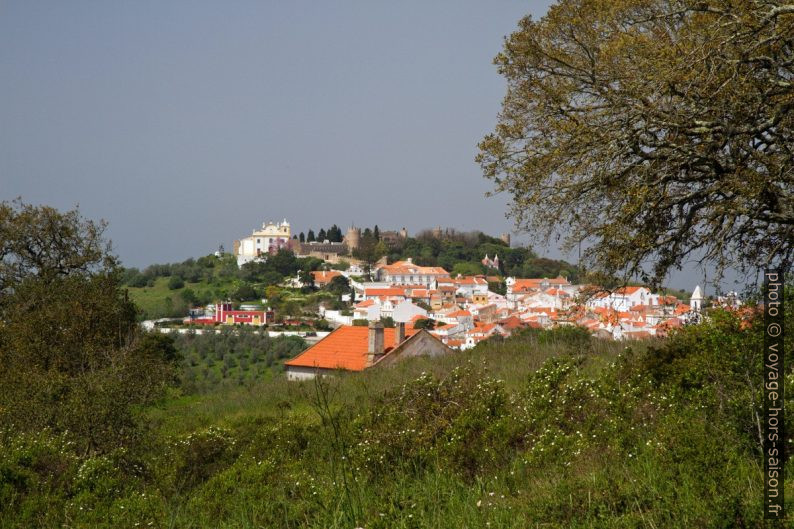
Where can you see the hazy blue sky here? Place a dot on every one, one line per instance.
(186, 124)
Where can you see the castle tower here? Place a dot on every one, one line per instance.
(404, 233)
(505, 238)
(437, 232)
(353, 238)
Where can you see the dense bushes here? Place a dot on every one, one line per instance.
(71, 357)
(657, 435)
(462, 252)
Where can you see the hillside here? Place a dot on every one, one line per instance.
(549, 428)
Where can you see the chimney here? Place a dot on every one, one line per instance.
(375, 342)
(399, 333)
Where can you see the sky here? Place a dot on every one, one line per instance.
(186, 124)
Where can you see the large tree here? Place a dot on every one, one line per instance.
(656, 131)
(71, 356)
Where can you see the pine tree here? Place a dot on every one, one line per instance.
(310, 236)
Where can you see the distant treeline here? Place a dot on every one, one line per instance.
(462, 252)
(457, 252)
(332, 234)
(212, 269)
(191, 270)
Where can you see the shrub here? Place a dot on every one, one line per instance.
(175, 282)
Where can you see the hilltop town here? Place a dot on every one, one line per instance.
(344, 283)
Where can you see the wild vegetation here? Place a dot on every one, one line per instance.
(666, 129)
(657, 131)
(169, 290)
(73, 362)
(102, 425)
(550, 428)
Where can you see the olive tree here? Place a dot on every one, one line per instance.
(656, 131)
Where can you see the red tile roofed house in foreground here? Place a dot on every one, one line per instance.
(358, 348)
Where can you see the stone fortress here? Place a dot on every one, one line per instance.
(272, 236)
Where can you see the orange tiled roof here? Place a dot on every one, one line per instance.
(533, 283)
(345, 348)
(384, 292)
(627, 290)
(513, 322)
(323, 276)
(406, 268)
(470, 280)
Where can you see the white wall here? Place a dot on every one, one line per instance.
(406, 310)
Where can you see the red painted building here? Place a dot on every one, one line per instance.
(225, 315)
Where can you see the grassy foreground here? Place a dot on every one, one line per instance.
(547, 429)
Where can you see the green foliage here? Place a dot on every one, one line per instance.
(462, 253)
(455, 422)
(425, 323)
(466, 269)
(71, 355)
(175, 282)
(232, 356)
(549, 428)
(210, 279)
(198, 456)
(341, 265)
(338, 285)
(245, 292)
(620, 118)
(188, 296)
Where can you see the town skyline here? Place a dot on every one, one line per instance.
(182, 127)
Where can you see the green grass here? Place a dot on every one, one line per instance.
(546, 429)
(152, 300)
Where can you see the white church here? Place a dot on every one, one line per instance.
(267, 240)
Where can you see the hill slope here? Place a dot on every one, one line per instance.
(550, 427)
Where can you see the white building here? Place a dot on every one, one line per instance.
(470, 285)
(267, 240)
(406, 311)
(696, 301)
(408, 273)
(623, 299)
